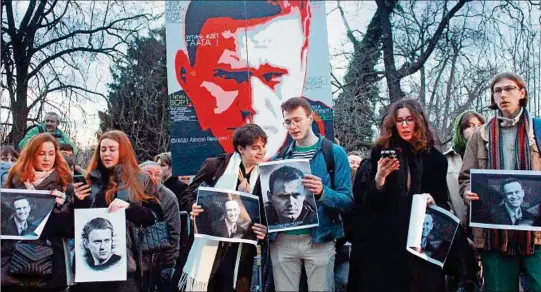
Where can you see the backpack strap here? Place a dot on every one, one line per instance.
(326, 147)
(283, 151)
(537, 132)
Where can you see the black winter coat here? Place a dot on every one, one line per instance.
(379, 260)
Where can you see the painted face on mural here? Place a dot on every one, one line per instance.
(245, 70)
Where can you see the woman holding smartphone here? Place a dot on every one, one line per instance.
(404, 163)
(115, 182)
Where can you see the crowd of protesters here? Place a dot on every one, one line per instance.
(365, 201)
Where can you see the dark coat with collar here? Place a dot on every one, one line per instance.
(112, 261)
(11, 228)
(500, 215)
(210, 172)
(57, 230)
(379, 259)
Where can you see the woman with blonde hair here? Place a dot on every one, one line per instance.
(41, 166)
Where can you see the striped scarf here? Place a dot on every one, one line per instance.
(511, 242)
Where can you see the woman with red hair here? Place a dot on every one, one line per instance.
(116, 182)
(41, 167)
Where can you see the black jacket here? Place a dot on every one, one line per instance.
(176, 186)
(379, 259)
(500, 215)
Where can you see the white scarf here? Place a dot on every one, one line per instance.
(39, 177)
(196, 272)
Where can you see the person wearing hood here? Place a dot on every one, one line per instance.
(8, 157)
(505, 142)
(50, 125)
(463, 127)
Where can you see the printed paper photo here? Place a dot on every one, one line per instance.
(508, 199)
(25, 213)
(227, 216)
(288, 205)
(100, 245)
(431, 231)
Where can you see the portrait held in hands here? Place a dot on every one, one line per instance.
(431, 231)
(288, 205)
(25, 213)
(100, 245)
(508, 199)
(228, 215)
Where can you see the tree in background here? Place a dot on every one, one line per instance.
(137, 97)
(47, 48)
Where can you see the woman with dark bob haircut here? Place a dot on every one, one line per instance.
(238, 172)
(379, 259)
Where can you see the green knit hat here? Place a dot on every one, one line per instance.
(459, 142)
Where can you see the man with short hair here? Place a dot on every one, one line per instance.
(286, 196)
(313, 246)
(227, 87)
(50, 125)
(510, 212)
(428, 224)
(232, 220)
(20, 223)
(438, 252)
(98, 242)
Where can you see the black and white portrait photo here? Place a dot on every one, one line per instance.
(431, 232)
(288, 205)
(100, 245)
(508, 199)
(25, 213)
(227, 216)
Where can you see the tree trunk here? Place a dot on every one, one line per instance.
(391, 74)
(20, 106)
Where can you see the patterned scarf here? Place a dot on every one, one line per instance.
(511, 242)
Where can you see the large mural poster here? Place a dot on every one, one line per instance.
(234, 62)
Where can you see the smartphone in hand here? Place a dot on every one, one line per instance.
(388, 153)
(79, 178)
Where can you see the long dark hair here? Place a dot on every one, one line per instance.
(422, 138)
